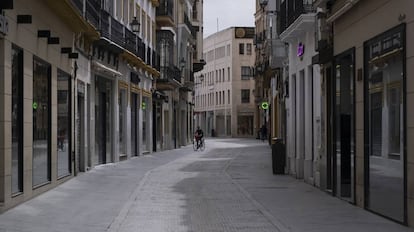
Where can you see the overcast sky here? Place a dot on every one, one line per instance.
(230, 13)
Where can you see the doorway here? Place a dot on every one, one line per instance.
(343, 142)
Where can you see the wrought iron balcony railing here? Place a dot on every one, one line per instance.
(166, 8)
(171, 72)
(290, 10)
(130, 41)
(92, 13)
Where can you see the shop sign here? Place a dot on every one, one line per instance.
(4, 25)
(301, 50)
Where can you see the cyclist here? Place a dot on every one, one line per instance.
(199, 134)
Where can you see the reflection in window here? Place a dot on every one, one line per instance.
(386, 103)
(63, 123)
(17, 120)
(41, 122)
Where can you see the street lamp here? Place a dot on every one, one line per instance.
(135, 25)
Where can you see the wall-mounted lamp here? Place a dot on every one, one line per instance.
(135, 25)
(263, 3)
(201, 77)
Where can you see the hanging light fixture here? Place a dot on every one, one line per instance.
(135, 25)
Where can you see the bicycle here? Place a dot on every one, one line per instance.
(200, 145)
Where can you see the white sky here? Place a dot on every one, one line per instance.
(230, 13)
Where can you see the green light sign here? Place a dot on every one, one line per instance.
(265, 105)
(34, 105)
(144, 105)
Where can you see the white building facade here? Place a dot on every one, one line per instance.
(303, 108)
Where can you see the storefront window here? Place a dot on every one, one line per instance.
(41, 122)
(344, 136)
(63, 123)
(145, 111)
(17, 120)
(122, 122)
(384, 139)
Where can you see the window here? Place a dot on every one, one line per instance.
(63, 125)
(228, 50)
(17, 119)
(228, 73)
(246, 72)
(41, 122)
(122, 102)
(228, 97)
(241, 48)
(385, 107)
(249, 49)
(245, 96)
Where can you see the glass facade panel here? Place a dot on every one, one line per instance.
(63, 123)
(384, 136)
(41, 122)
(122, 101)
(145, 127)
(17, 120)
(344, 127)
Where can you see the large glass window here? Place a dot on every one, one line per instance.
(41, 122)
(122, 103)
(145, 116)
(63, 123)
(17, 120)
(384, 127)
(344, 125)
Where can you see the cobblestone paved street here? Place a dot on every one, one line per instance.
(228, 187)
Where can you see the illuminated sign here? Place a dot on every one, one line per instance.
(301, 50)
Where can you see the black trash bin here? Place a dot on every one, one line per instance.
(278, 156)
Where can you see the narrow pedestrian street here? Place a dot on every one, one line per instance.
(227, 187)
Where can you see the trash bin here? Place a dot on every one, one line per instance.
(278, 156)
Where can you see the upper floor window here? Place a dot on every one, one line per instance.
(248, 49)
(241, 48)
(245, 96)
(246, 72)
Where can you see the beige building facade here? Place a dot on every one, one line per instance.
(368, 93)
(224, 89)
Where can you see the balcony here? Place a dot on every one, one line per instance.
(92, 12)
(130, 41)
(165, 13)
(296, 17)
(72, 14)
(170, 78)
